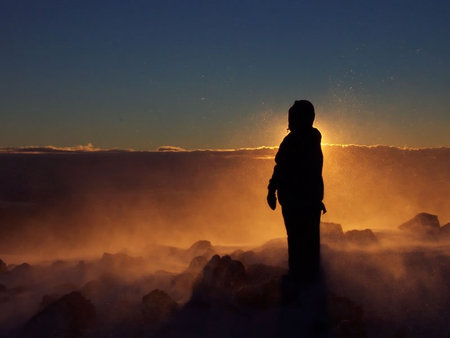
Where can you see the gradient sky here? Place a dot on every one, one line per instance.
(222, 74)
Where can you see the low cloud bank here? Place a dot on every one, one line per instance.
(91, 200)
(170, 148)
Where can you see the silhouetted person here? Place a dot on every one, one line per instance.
(297, 179)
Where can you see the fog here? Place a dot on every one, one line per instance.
(76, 202)
(115, 225)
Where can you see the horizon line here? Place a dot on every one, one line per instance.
(89, 148)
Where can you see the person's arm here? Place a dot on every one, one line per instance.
(274, 181)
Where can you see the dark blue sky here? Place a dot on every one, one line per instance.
(222, 74)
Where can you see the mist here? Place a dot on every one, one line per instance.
(81, 202)
(103, 228)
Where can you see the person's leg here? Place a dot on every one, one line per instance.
(293, 230)
(310, 243)
(303, 235)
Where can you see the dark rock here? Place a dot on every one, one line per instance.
(197, 264)
(445, 232)
(67, 317)
(262, 288)
(47, 300)
(361, 237)
(422, 226)
(92, 289)
(59, 264)
(181, 284)
(201, 248)
(3, 266)
(157, 306)
(261, 295)
(220, 279)
(64, 288)
(346, 318)
(275, 243)
(23, 270)
(261, 273)
(331, 232)
(246, 257)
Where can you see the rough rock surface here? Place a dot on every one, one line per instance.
(157, 306)
(67, 317)
(422, 226)
(445, 232)
(3, 266)
(346, 318)
(361, 237)
(331, 232)
(197, 264)
(220, 279)
(200, 248)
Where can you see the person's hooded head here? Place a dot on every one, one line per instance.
(301, 115)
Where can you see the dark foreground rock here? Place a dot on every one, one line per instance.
(220, 279)
(423, 226)
(67, 317)
(232, 300)
(3, 266)
(157, 306)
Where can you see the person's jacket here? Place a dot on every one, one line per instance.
(297, 175)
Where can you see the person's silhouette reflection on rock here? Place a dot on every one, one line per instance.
(297, 179)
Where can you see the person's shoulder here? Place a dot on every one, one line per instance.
(317, 136)
(287, 138)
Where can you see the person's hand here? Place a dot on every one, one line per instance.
(272, 199)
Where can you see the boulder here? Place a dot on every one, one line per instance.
(92, 289)
(200, 248)
(157, 306)
(64, 288)
(422, 226)
(47, 300)
(262, 295)
(246, 257)
(445, 232)
(262, 288)
(361, 237)
(346, 318)
(3, 266)
(69, 316)
(4, 295)
(261, 273)
(331, 232)
(220, 279)
(22, 271)
(197, 264)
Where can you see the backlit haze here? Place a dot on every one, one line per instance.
(137, 139)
